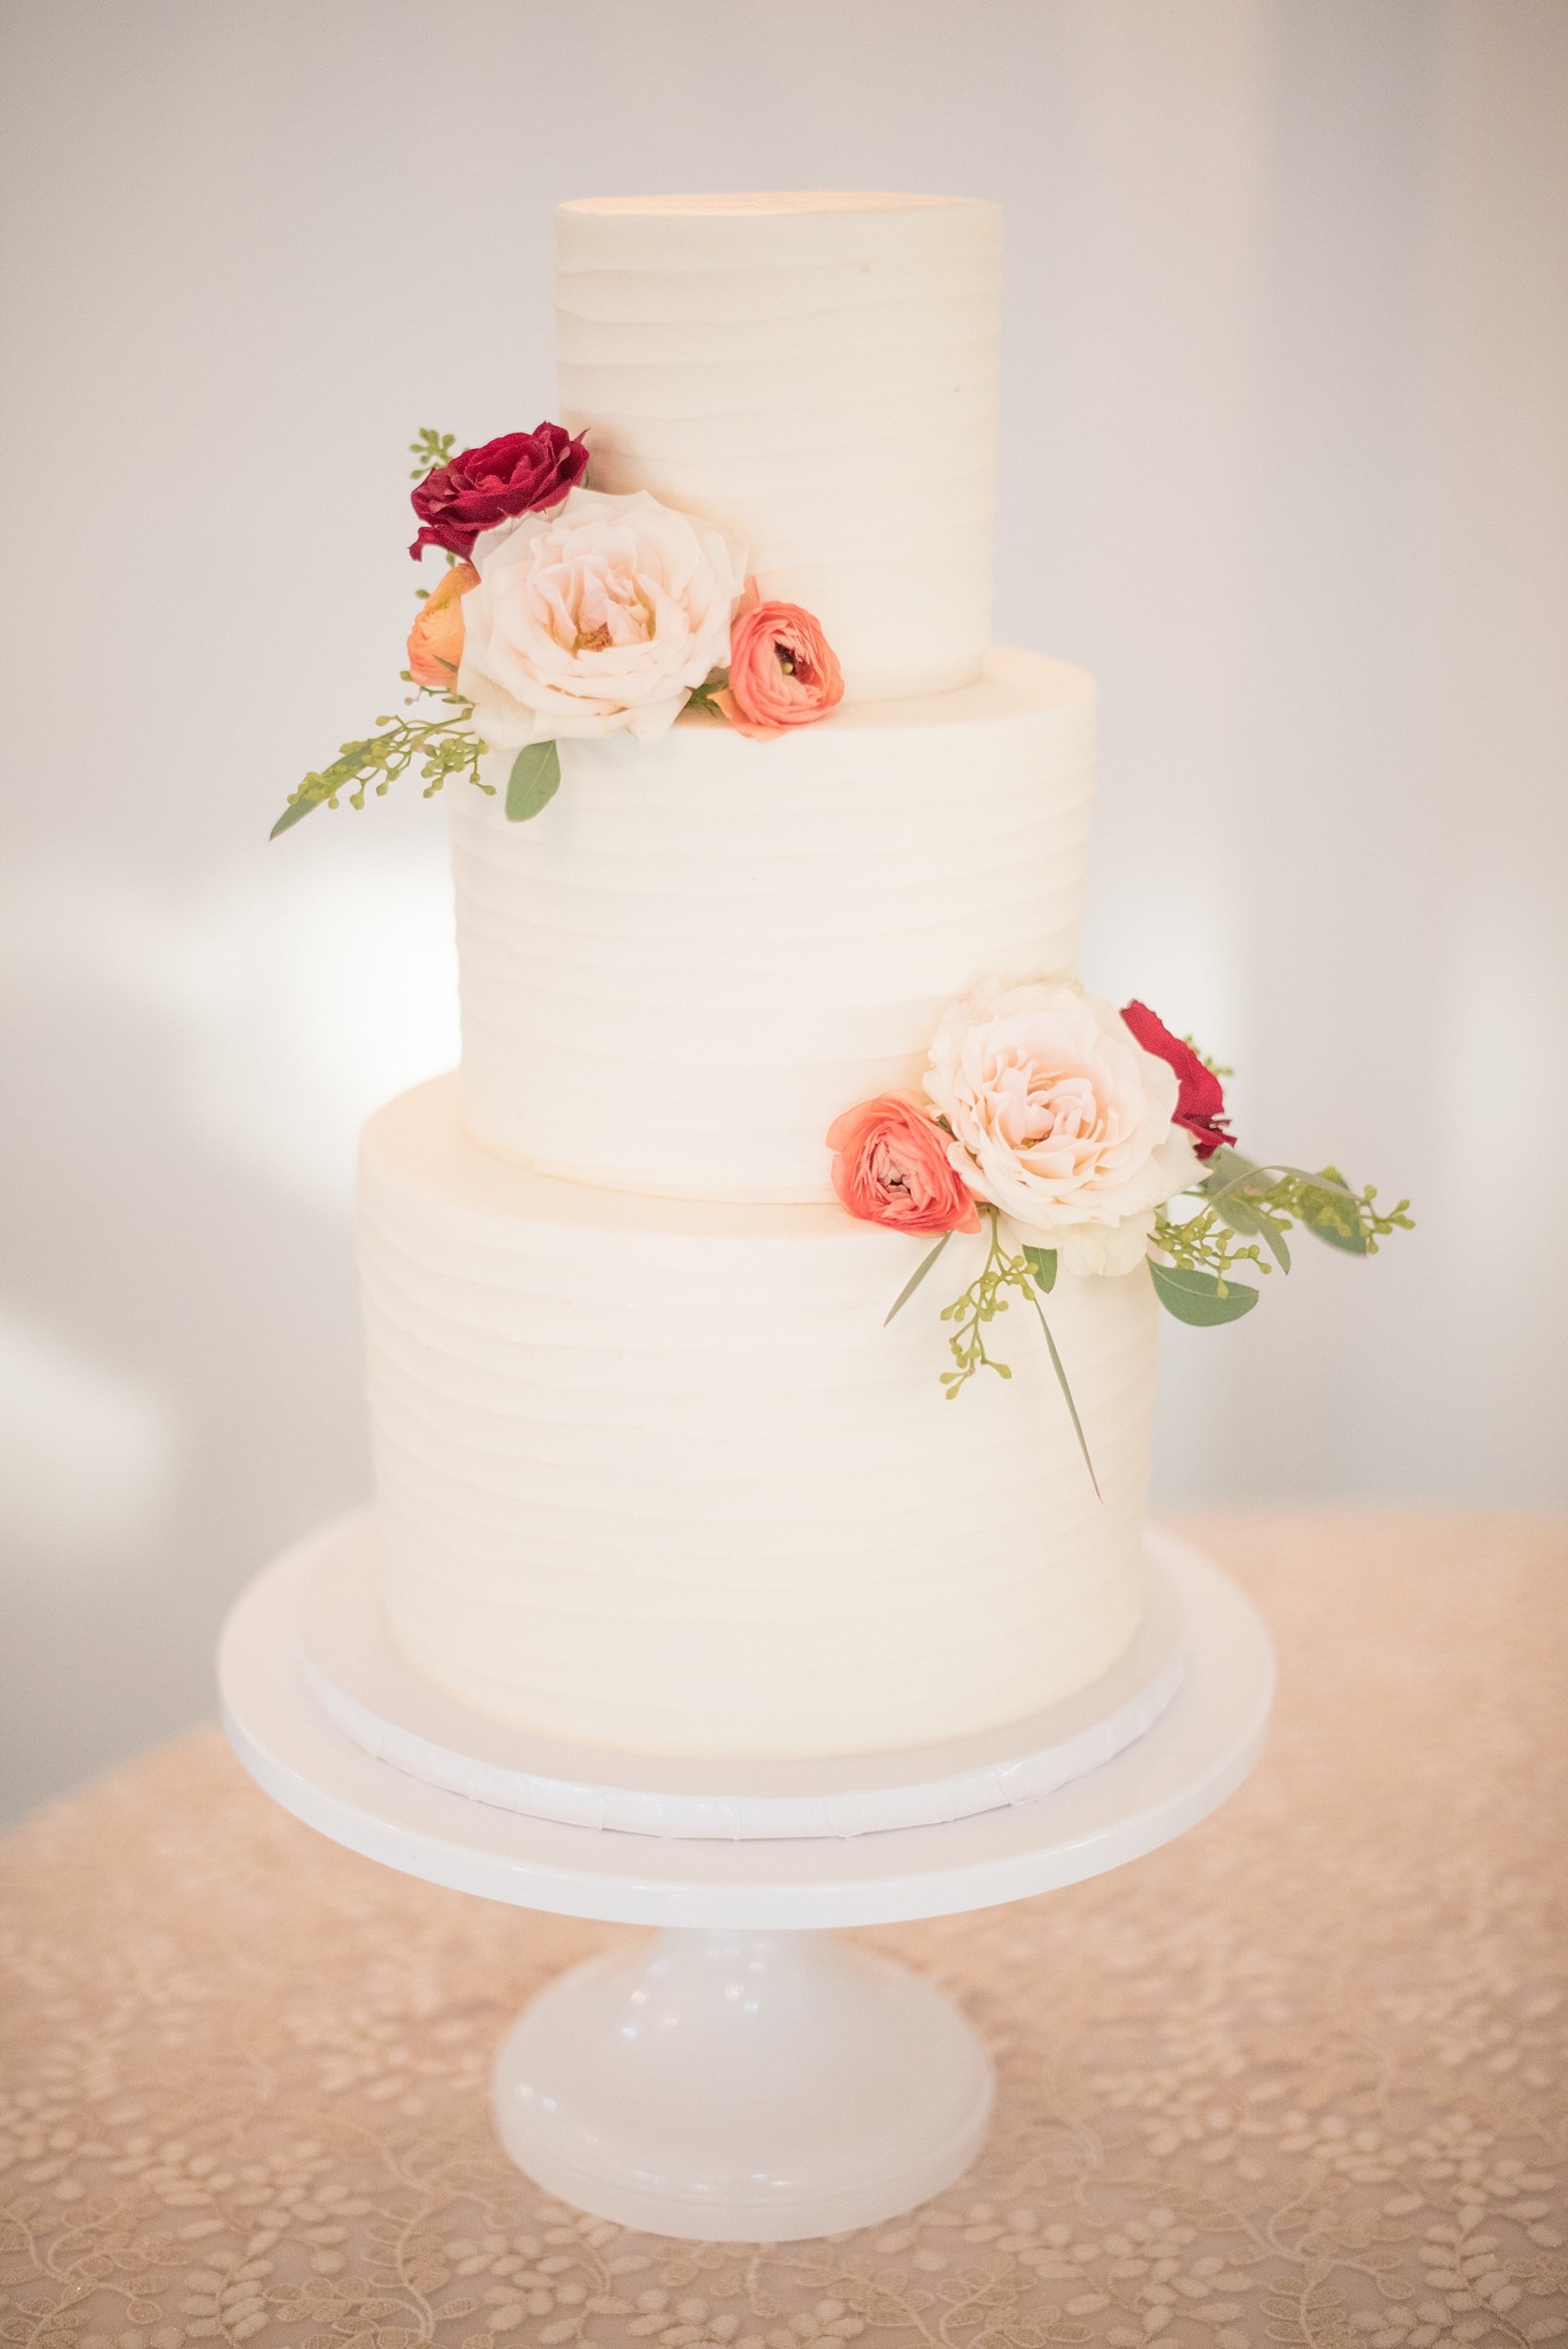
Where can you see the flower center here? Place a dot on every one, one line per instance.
(594, 599)
(892, 1175)
(1058, 1107)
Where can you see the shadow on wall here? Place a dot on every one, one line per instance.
(180, 1371)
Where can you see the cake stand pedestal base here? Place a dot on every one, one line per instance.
(746, 2078)
(743, 2086)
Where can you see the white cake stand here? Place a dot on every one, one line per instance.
(744, 2078)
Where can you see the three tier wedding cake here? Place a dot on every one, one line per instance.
(769, 873)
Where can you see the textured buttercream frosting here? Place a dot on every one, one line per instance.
(653, 1474)
(818, 373)
(705, 949)
(652, 1471)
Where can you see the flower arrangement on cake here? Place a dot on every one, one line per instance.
(1061, 1131)
(568, 612)
(1079, 1128)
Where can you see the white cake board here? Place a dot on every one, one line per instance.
(365, 1684)
(744, 2078)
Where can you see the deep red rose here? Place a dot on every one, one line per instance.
(1200, 1103)
(519, 473)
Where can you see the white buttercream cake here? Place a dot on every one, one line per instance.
(652, 1474)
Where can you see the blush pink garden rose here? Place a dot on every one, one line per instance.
(600, 618)
(890, 1165)
(435, 640)
(783, 671)
(1059, 1118)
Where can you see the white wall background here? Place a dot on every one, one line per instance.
(1284, 463)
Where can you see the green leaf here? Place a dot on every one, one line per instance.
(1066, 1390)
(1272, 1234)
(295, 812)
(430, 449)
(1226, 1167)
(534, 782)
(1326, 1180)
(916, 1277)
(1233, 1171)
(702, 696)
(1227, 1186)
(1238, 1215)
(1200, 1298)
(1042, 1264)
(1229, 1189)
(1332, 1216)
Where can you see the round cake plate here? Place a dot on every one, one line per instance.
(745, 2078)
(356, 1671)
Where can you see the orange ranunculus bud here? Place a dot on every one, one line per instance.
(435, 640)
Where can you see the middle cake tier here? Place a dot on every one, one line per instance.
(705, 947)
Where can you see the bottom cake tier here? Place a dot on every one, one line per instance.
(652, 1474)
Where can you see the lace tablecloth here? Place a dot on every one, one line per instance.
(1299, 2078)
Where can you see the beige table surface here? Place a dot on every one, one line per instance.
(1302, 2077)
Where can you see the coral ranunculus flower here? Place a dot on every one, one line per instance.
(519, 473)
(890, 1166)
(783, 671)
(1200, 1104)
(435, 640)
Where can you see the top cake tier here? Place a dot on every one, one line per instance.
(818, 374)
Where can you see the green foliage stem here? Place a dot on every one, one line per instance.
(1200, 1299)
(978, 1305)
(442, 747)
(1243, 1203)
(1033, 1270)
(1202, 1243)
(916, 1277)
(702, 696)
(430, 449)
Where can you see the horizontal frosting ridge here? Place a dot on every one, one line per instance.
(705, 949)
(626, 1446)
(807, 377)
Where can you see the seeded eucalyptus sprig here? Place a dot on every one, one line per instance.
(442, 747)
(1243, 1203)
(1033, 1274)
(978, 1305)
(430, 449)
